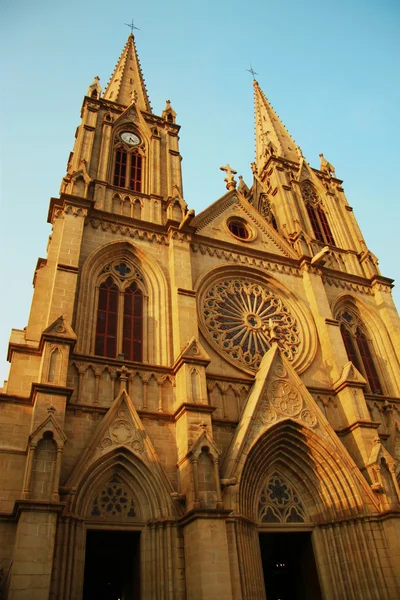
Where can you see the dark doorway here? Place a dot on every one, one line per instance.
(112, 565)
(289, 566)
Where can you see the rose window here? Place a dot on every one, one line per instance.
(243, 318)
(114, 500)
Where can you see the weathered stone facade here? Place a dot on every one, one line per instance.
(252, 401)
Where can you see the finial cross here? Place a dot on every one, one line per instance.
(132, 26)
(229, 179)
(252, 71)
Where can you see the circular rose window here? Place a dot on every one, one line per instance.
(242, 317)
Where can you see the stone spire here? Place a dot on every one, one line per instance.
(272, 137)
(126, 85)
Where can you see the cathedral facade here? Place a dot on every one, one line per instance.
(201, 406)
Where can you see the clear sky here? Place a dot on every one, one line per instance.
(330, 69)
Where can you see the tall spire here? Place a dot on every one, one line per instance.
(272, 137)
(127, 84)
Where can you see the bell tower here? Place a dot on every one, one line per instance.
(308, 205)
(125, 158)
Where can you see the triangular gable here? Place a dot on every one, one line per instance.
(277, 394)
(193, 353)
(120, 427)
(204, 440)
(378, 452)
(305, 172)
(130, 114)
(60, 328)
(49, 424)
(213, 220)
(350, 376)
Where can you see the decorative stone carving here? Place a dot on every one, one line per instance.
(309, 417)
(122, 432)
(280, 503)
(285, 398)
(242, 317)
(267, 413)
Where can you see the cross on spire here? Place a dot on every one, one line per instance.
(252, 71)
(132, 26)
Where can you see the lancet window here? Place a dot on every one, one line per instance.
(128, 168)
(359, 348)
(120, 314)
(317, 216)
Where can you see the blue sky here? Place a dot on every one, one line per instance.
(329, 69)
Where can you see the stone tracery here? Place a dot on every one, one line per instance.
(243, 318)
(114, 500)
(280, 503)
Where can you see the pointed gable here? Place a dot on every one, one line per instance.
(61, 330)
(126, 85)
(121, 427)
(277, 394)
(214, 223)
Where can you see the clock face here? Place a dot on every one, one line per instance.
(130, 138)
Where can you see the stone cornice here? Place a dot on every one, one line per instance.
(82, 205)
(195, 407)
(254, 258)
(133, 231)
(356, 425)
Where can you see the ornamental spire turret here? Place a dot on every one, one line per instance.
(126, 85)
(272, 137)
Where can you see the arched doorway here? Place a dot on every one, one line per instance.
(285, 535)
(119, 536)
(313, 492)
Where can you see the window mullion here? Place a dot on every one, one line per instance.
(120, 321)
(128, 169)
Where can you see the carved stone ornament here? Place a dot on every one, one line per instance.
(242, 319)
(122, 432)
(264, 207)
(280, 503)
(285, 398)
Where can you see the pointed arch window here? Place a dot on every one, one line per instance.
(119, 322)
(107, 313)
(133, 323)
(128, 168)
(359, 349)
(317, 216)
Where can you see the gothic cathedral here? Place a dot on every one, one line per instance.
(203, 406)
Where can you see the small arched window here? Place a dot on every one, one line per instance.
(119, 324)
(359, 349)
(128, 169)
(317, 216)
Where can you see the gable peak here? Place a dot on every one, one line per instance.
(126, 85)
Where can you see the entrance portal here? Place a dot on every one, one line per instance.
(112, 565)
(289, 566)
